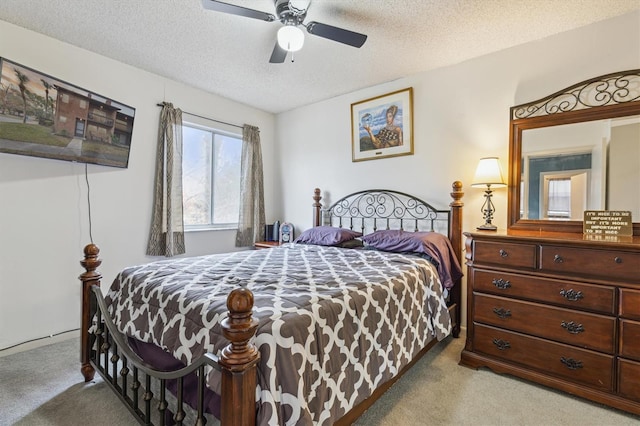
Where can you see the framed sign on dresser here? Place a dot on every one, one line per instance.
(546, 302)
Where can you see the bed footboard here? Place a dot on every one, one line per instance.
(106, 350)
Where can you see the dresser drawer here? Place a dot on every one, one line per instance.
(578, 365)
(630, 339)
(505, 254)
(629, 379)
(607, 264)
(582, 329)
(592, 297)
(630, 303)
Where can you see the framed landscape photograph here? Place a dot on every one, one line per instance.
(382, 127)
(43, 116)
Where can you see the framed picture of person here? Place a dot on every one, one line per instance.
(382, 127)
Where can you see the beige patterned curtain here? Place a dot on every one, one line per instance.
(167, 227)
(251, 220)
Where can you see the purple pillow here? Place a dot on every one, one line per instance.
(327, 236)
(396, 240)
(433, 244)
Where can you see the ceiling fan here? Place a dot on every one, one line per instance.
(291, 13)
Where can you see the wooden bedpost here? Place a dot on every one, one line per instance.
(89, 278)
(317, 207)
(455, 230)
(455, 236)
(239, 362)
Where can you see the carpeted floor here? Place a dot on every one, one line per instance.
(44, 386)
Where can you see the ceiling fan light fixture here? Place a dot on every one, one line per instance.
(290, 38)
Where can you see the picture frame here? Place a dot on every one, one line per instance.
(382, 127)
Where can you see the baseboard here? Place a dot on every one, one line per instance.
(43, 341)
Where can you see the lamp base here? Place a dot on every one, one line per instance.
(487, 227)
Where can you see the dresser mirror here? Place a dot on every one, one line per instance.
(576, 150)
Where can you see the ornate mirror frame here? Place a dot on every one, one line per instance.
(609, 96)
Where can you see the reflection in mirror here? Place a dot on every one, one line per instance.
(577, 149)
(570, 168)
(623, 170)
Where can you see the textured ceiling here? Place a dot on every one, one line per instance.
(229, 55)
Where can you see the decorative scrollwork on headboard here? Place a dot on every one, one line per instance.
(385, 209)
(610, 89)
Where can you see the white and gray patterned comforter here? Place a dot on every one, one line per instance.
(334, 323)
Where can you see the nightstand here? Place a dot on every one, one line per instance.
(265, 244)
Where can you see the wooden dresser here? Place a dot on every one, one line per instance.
(557, 309)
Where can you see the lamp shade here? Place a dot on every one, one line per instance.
(290, 38)
(488, 173)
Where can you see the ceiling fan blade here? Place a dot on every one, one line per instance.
(278, 55)
(219, 6)
(336, 34)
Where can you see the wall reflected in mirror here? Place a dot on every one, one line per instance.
(569, 168)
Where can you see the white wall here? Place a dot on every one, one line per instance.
(624, 173)
(43, 207)
(461, 113)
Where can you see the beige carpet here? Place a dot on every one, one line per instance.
(43, 386)
(437, 391)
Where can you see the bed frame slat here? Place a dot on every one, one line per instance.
(162, 406)
(135, 387)
(148, 397)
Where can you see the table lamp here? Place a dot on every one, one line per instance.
(488, 174)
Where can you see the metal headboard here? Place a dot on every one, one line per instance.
(370, 210)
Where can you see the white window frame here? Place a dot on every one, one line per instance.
(545, 179)
(202, 124)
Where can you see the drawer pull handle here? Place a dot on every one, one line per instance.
(572, 327)
(502, 284)
(502, 313)
(501, 344)
(503, 253)
(571, 294)
(571, 363)
(558, 259)
(617, 259)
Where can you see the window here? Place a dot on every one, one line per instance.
(564, 194)
(210, 177)
(559, 198)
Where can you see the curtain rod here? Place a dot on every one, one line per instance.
(207, 118)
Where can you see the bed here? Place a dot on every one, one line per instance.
(311, 332)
